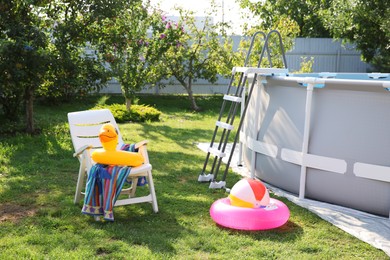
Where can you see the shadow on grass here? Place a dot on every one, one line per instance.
(43, 179)
(36, 164)
(184, 211)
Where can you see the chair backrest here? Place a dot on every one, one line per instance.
(85, 126)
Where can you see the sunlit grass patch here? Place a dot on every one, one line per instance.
(39, 220)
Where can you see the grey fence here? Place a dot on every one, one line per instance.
(329, 56)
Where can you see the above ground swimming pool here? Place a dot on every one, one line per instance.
(322, 136)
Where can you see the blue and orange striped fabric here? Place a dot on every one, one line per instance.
(104, 184)
(103, 187)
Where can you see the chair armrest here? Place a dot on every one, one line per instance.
(81, 150)
(141, 146)
(142, 143)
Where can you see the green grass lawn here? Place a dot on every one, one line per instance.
(39, 220)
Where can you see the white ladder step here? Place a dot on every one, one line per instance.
(205, 178)
(217, 184)
(224, 125)
(216, 152)
(232, 98)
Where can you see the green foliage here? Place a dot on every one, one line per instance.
(137, 113)
(365, 23)
(304, 13)
(75, 70)
(11, 127)
(71, 75)
(42, 52)
(288, 30)
(199, 52)
(142, 113)
(306, 65)
(130, 50)
(23, 57)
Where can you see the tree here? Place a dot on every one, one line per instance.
(199, 53)
(365, 23)
(43, 51)
(23, 57)
(72, 25)
(305, 13)
(131, 44)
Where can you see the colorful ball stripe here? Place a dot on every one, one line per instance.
(249, 193)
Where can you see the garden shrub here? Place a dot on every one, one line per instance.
(137, 113)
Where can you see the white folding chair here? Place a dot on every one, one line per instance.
(84, 129)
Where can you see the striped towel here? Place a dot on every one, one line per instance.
(103, 187)
(104, 184)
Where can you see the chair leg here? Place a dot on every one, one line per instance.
(152, 192)
(134, 183)
(80, 183)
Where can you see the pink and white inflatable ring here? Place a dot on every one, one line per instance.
(274, 215)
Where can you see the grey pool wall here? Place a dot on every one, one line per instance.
(326, 139)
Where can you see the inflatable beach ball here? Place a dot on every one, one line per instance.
(249, 193)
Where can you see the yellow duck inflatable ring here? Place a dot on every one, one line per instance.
(109, 154)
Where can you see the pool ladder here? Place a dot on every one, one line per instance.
(234, 97)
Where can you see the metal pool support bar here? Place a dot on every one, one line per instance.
(241, 77)
(311, 82)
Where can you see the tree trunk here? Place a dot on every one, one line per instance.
(128, 103)
(29, 99)
(188, 88)
(194, 106)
